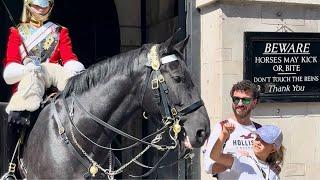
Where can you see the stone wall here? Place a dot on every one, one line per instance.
(222, 26)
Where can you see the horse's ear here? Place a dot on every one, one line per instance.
(182, 44)
(171, 41)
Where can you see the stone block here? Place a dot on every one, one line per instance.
(294, 169)
(282, 14)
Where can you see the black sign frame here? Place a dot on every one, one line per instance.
(252, 43)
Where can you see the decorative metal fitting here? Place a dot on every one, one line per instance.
(93, 169)
(174, 111)
(155, 84)
(161, 78)
(144, 114)
(12, 167)
(61, 130)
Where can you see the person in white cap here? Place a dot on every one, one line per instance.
(267, 150)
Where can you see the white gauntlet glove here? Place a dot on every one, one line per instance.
(30, 67)
(73, 67)
(14, 72)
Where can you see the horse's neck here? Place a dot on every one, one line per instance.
(116, 102)
(111, 100)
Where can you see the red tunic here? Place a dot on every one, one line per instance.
(63, 52)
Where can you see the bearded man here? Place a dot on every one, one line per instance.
(244, 96)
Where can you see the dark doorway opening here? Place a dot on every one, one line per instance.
(93, 25)
(15, 8)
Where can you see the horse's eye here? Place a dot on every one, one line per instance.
(177, 78)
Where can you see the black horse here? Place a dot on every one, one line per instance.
(98, 102)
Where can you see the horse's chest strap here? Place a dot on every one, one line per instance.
(61, 129)
(65, 139)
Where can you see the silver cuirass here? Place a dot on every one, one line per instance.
(39, 42)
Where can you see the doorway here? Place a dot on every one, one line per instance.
(93, 26)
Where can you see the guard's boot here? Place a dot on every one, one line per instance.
(21, 118)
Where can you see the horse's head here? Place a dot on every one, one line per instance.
(174, 94)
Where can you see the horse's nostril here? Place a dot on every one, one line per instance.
(201, 135)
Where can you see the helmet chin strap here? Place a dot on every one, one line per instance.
(38, 19)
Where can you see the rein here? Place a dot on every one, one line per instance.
(169, 114)
(110, 127)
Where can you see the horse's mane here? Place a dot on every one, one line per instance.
(97, 73)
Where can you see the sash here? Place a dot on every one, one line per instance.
(37, 37)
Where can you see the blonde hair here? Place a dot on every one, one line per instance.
(276, 157)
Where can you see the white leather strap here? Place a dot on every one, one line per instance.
(169, 58)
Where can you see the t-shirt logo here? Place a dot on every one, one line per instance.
(244, 141)
(249, 136)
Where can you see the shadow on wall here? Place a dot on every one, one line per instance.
(264, 11)
(286, 110)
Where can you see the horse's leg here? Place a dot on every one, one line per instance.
(46, 155)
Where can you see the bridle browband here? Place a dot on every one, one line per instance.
(169, 114)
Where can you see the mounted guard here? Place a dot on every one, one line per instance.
(39, 55)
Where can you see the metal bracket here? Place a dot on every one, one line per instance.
(174, 112)
(12, 167)
(155, 84)
(153, 56)
(161, 78)
(176, 127)
(61, 130)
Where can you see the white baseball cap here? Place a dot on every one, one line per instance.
(270, 134)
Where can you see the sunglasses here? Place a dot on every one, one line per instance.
(245, 101)
(261, 140)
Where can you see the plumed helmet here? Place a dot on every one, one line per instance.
(28, 13)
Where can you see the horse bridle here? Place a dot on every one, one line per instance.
(169, 113)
